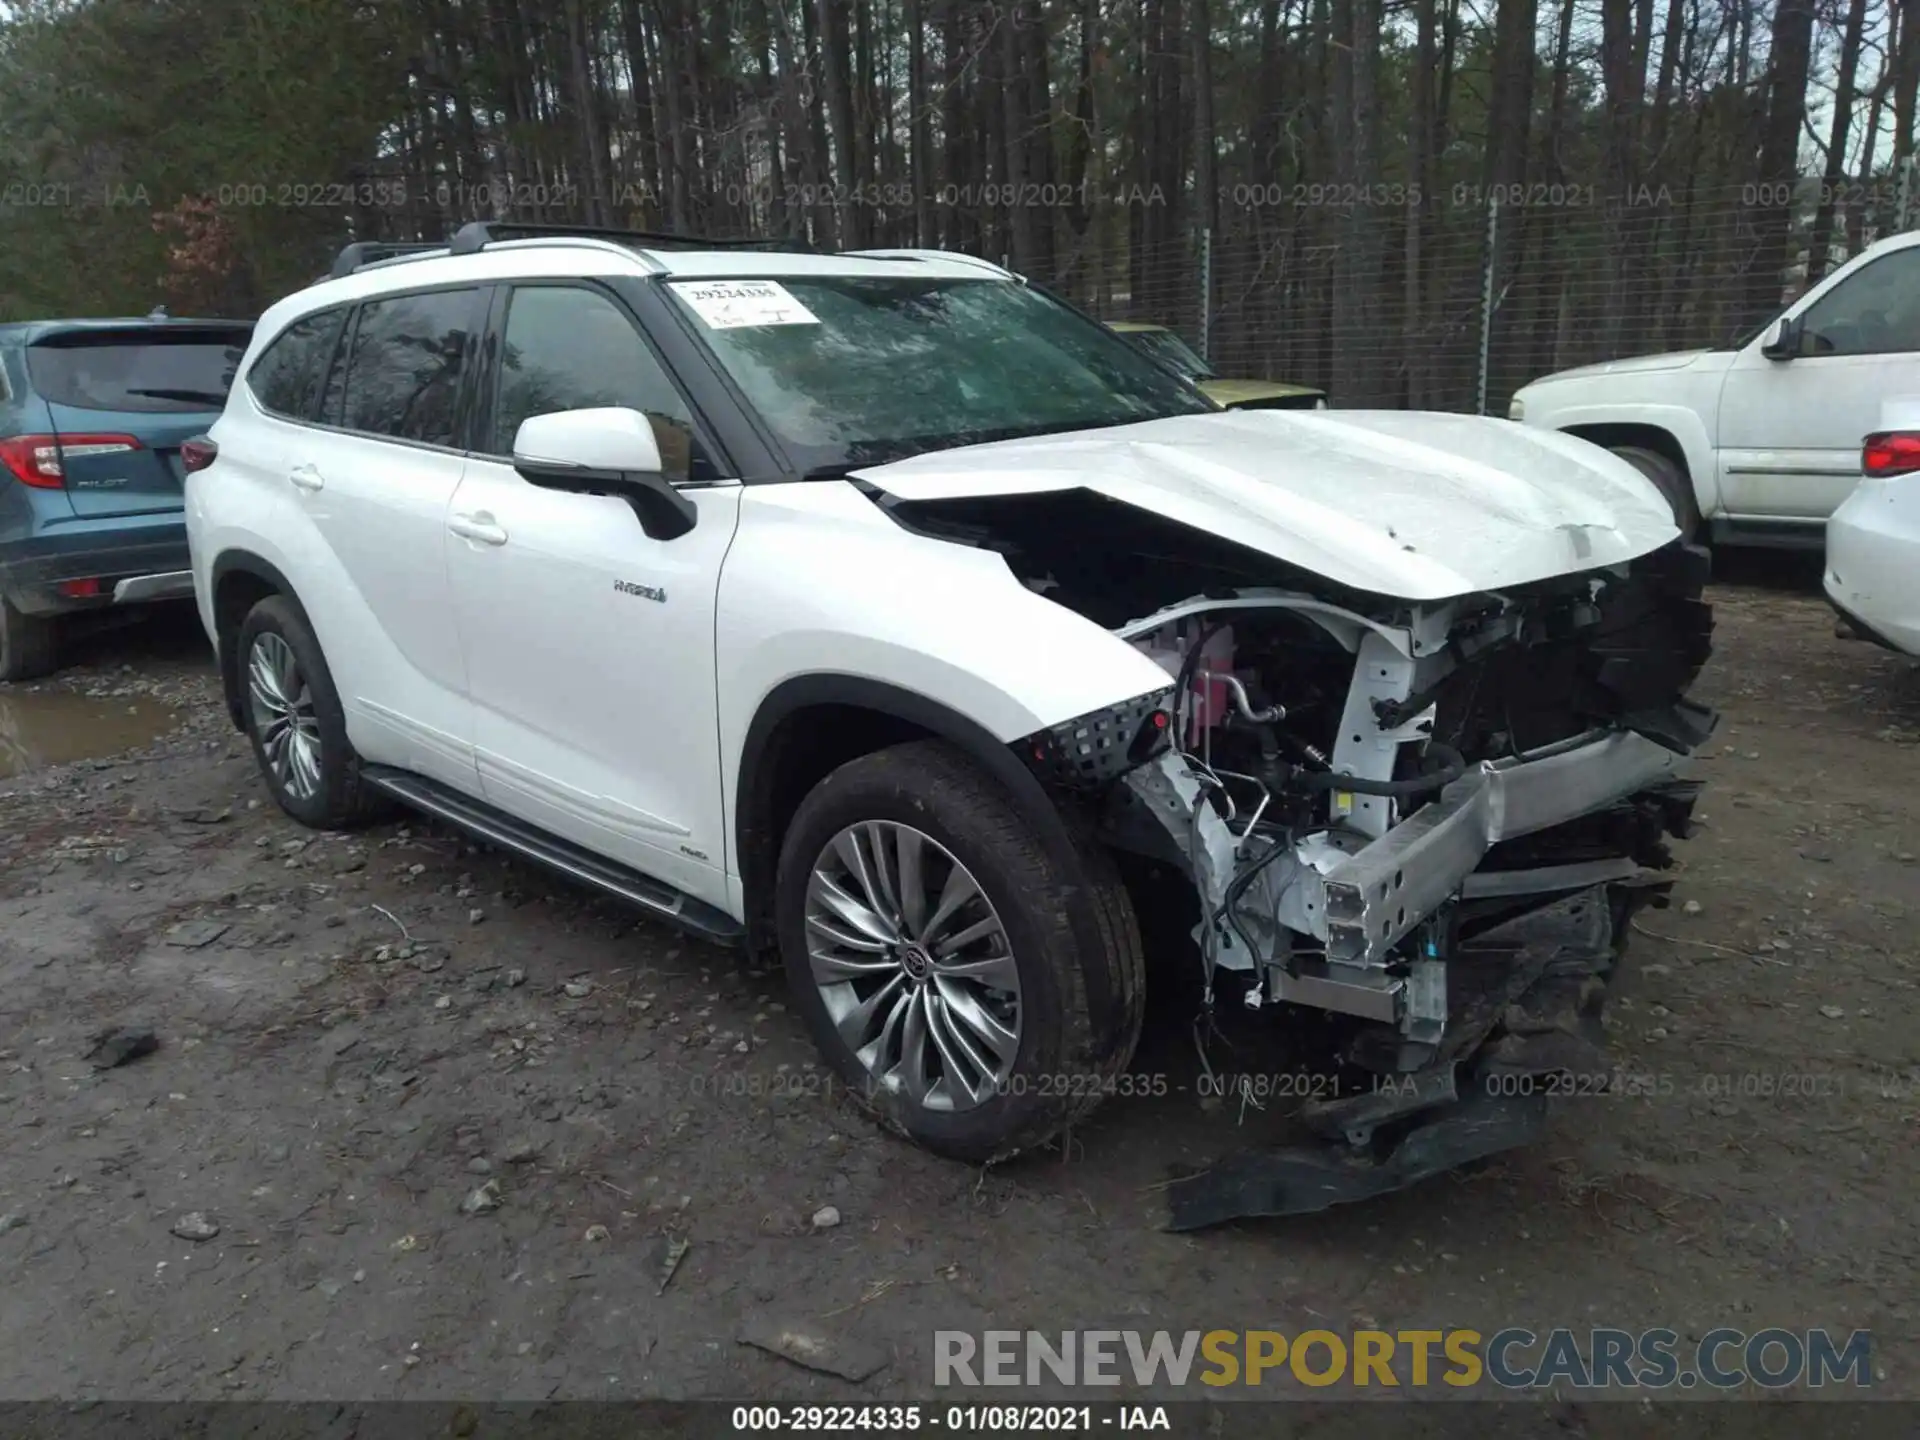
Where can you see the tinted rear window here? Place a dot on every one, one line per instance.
(156, 374)
(408, 353)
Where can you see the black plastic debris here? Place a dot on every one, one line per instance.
(1299, 1181)
(1524, 1001)
(120, 1045)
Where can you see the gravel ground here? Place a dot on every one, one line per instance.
(423, 1123)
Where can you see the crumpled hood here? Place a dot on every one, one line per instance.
(1633, 365)
(1411, 504)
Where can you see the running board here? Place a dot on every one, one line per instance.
(530, 842)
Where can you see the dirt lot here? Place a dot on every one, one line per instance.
(357, 1033)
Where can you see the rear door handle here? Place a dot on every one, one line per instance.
(305, 477)
(478, 527)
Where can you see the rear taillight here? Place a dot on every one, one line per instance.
(36, 460)
(198, 453)
(1891, 452)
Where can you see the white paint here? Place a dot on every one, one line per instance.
(1765, 440)
(1873, 558)
(1899, 412)
(820, 581)
(610, 438)
(536, 649)
(1419, 506)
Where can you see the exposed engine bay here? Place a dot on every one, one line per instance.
(1325, 743)
(1433, 819)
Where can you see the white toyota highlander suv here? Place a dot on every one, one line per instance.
(1759, 441)
(886, 612)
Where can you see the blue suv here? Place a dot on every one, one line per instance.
(96, 417)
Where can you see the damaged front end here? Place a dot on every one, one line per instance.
(1434, 820)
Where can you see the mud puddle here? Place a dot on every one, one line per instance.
(52, 727)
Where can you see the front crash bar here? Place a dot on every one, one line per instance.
(1372, 899)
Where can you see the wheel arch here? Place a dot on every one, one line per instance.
(1648, 437)
(809, 725)
(1687, 446)
(240, 580)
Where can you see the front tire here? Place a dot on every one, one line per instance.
(1672, 483)
(29, 645)
(935, 948)
(296, 722)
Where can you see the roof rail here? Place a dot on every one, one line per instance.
(956, 257)
(369, 252)
(476, 235)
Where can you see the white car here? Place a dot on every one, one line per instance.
(1758, 442)
(886, 612)
(1873, 545)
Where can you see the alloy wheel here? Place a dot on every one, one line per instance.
(283, 715)
(914, 965)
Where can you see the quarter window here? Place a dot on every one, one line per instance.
(284, 377)
(407, 357)
(568, 348)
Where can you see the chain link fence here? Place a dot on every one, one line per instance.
(1455, 302)
(1378, 294)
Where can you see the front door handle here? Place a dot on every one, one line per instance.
(478, 527)
(305, 477)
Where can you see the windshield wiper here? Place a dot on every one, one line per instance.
(834, 472)
(213, 396)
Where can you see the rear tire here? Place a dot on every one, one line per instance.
(29, 644)
(296, 723)
(974, 1048)
(1672, 483)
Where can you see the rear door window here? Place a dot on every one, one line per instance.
(408, 356)
(286, 376)
(170, 373)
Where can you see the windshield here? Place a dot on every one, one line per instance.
(1169, 349)
(855, 371)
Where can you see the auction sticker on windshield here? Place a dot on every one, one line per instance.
(731, 304)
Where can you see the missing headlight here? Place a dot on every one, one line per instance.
(1091, 750)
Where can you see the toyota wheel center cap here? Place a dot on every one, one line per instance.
(916, 962)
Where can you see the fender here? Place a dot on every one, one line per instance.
(757, 844)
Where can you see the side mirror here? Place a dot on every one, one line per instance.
(1782, 338)
(610, 451)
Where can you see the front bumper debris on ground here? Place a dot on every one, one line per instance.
(1524, 1023)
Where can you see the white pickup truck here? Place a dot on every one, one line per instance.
(1758, 443)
